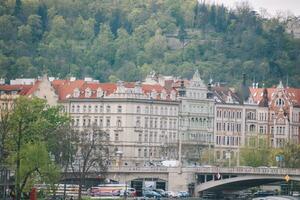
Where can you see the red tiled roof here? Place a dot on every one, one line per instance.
(65, 88)
(21, 89)
(33, 88)
(292, 93)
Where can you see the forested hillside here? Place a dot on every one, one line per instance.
(125, 39)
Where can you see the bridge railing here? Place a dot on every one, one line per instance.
(247, 170)
(137, 169)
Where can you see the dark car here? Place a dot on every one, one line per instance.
(151, 194)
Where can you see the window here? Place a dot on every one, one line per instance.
(119, 122)
(146, 137)
(96, 109)
(139, 152)
(107, 122)
(108, 109)
(90, 108)
(146, 110)
(73, 108)
(140, 137)
(84, 108)
(138, 122)
(150, 137)
(116, 136)
(138, 109)
(155, 123)
(119, 109)
(146, 122)
(279, 102)
(101, 109)
(145, 152)
(261, 129)
(95, 121)
(101, 122)
(252, 128)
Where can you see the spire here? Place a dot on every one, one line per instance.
(265, 100)
(196, 76)
(243, 91)
(280, 86)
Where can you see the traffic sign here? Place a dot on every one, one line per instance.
(287, 178)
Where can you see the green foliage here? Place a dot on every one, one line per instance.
(31, 127)
(256, 153)
(105, 38)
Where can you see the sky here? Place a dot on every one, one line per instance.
(272, 6)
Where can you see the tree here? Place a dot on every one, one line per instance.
(4, 130)
(92, 154)
(35, 23)
(291, 155)
(36, 166)
(31, 121)
(256, 153)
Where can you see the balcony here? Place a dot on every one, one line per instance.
(138, 129)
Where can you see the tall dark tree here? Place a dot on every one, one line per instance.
(91, 155)
(43, 13)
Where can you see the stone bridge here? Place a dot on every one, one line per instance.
(199, 179)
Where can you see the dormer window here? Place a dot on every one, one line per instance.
(76, 93)
(88, 92)
(173, 95)
(153, 94)
(100, 93)
(163, 95)
(279, 102)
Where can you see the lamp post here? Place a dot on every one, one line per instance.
(228, 156)
(119, 153)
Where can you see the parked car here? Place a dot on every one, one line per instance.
(161, 192)
(183, 194)
(151, 194)
(130, 192)
(171, 194)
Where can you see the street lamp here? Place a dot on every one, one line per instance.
(119, 153)
(228, 156)
(279, 160)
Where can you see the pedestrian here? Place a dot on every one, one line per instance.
(71, 198)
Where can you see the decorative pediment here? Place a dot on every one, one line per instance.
(196, 81)
(173, 95)
(88, 92)
(138, 88)
(120, 87)
(76, 93)
(153, 94)
(100, 93)
(163, 95)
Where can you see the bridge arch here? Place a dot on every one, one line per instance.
(240, 182)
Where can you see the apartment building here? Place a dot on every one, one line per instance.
(140, 119)
(167, 118)
(196, 115)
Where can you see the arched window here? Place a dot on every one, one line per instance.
(138, 109)
(279, 102)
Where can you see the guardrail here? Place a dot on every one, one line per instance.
(227, 170)
(245, 170)
(138, 169)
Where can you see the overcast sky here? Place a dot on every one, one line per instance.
(272, 6)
